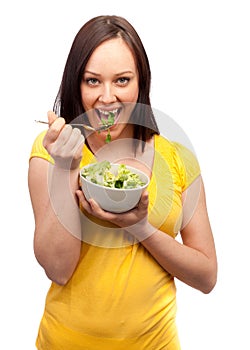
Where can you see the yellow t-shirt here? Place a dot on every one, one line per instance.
(119, 297)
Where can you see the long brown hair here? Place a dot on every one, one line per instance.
(68, 103)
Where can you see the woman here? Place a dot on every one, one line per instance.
(113, 274)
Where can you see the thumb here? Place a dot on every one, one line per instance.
(144, 200)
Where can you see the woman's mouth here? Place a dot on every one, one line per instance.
(104, 114)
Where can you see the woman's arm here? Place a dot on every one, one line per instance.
(193, 262)
(56, 247)
(57, 239)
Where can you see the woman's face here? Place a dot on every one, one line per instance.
(110, 84)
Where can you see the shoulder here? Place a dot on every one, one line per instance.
(38, 149)
(180, 158)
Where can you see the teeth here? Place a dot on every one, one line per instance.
(114, 111)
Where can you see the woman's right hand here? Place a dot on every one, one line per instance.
(63, 143)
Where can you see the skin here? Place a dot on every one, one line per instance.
(55, 248)
(110, 81)
(105, 86)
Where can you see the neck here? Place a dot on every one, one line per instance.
(123, 151)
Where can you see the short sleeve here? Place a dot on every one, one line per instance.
(188, 165)
(38, 149)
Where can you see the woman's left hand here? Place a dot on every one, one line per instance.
(129, 219)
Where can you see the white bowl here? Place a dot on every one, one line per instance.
(116, 200)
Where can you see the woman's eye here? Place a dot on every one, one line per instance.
(92, 81)
(123, 81)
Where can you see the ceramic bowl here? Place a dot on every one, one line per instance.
(116, 200)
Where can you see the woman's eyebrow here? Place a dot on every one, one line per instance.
(93, 73)
(125, 72)
(117, 74)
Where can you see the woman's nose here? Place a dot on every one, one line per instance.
(107, 94)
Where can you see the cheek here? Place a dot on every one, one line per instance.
(131, 95)
(87, 98)
(135, 92)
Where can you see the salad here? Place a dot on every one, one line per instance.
(108, 122)
(103, 174)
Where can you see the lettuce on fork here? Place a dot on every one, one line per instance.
(109, 122)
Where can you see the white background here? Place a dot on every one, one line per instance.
(200, 61)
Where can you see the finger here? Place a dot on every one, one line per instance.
(92, 207)
(81, 197)
(64, 136)
(99, 212)
(95, 207)
(76, 138)
(79, 147)
(51, 117)
(83, 203)
(144, 201)
(55, 131)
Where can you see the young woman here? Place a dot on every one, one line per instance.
(113, 274)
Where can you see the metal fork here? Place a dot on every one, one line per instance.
(85, 126)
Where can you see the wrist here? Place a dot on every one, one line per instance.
(66, 165)
(141, 230)
(62, 178)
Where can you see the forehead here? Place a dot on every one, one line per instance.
(112, 52)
